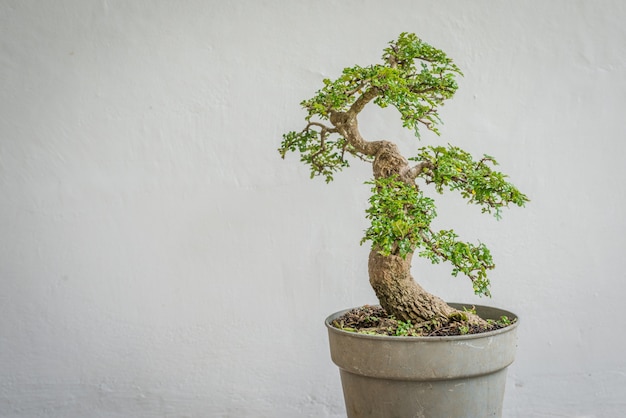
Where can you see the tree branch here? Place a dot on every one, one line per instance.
(356, 89)
(416, 170)
(346, 125)
(323, 127)
(363, 100)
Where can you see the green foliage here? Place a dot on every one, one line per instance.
(504, 321)
(416, 79)
(403, 329)
(400, 217)
(421, 77)
(325, 157)
(455, 169)
(467, 258)
(399, 214)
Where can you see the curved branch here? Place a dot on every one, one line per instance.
(324, 128)
(356, 89)
(347, 126)
(417, 169)
(363, 100)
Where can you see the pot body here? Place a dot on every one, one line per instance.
(430, 377)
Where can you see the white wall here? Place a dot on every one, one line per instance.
(158, 259)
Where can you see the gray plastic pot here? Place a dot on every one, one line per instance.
(424, 377)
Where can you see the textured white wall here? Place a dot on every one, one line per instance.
(158, 259)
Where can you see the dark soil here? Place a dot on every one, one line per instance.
(375, 321)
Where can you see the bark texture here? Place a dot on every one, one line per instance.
(400, 295)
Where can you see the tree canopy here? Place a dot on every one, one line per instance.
(416, 79)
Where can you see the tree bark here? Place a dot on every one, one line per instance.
(400, 295)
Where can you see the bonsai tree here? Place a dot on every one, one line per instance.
(415, 78)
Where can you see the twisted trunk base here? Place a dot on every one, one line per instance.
(401, 296)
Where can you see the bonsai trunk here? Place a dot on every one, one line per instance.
(401, 296)
(390, 275)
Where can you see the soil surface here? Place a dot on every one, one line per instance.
(374, 320)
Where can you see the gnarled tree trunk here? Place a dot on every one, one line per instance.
(400, 294)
